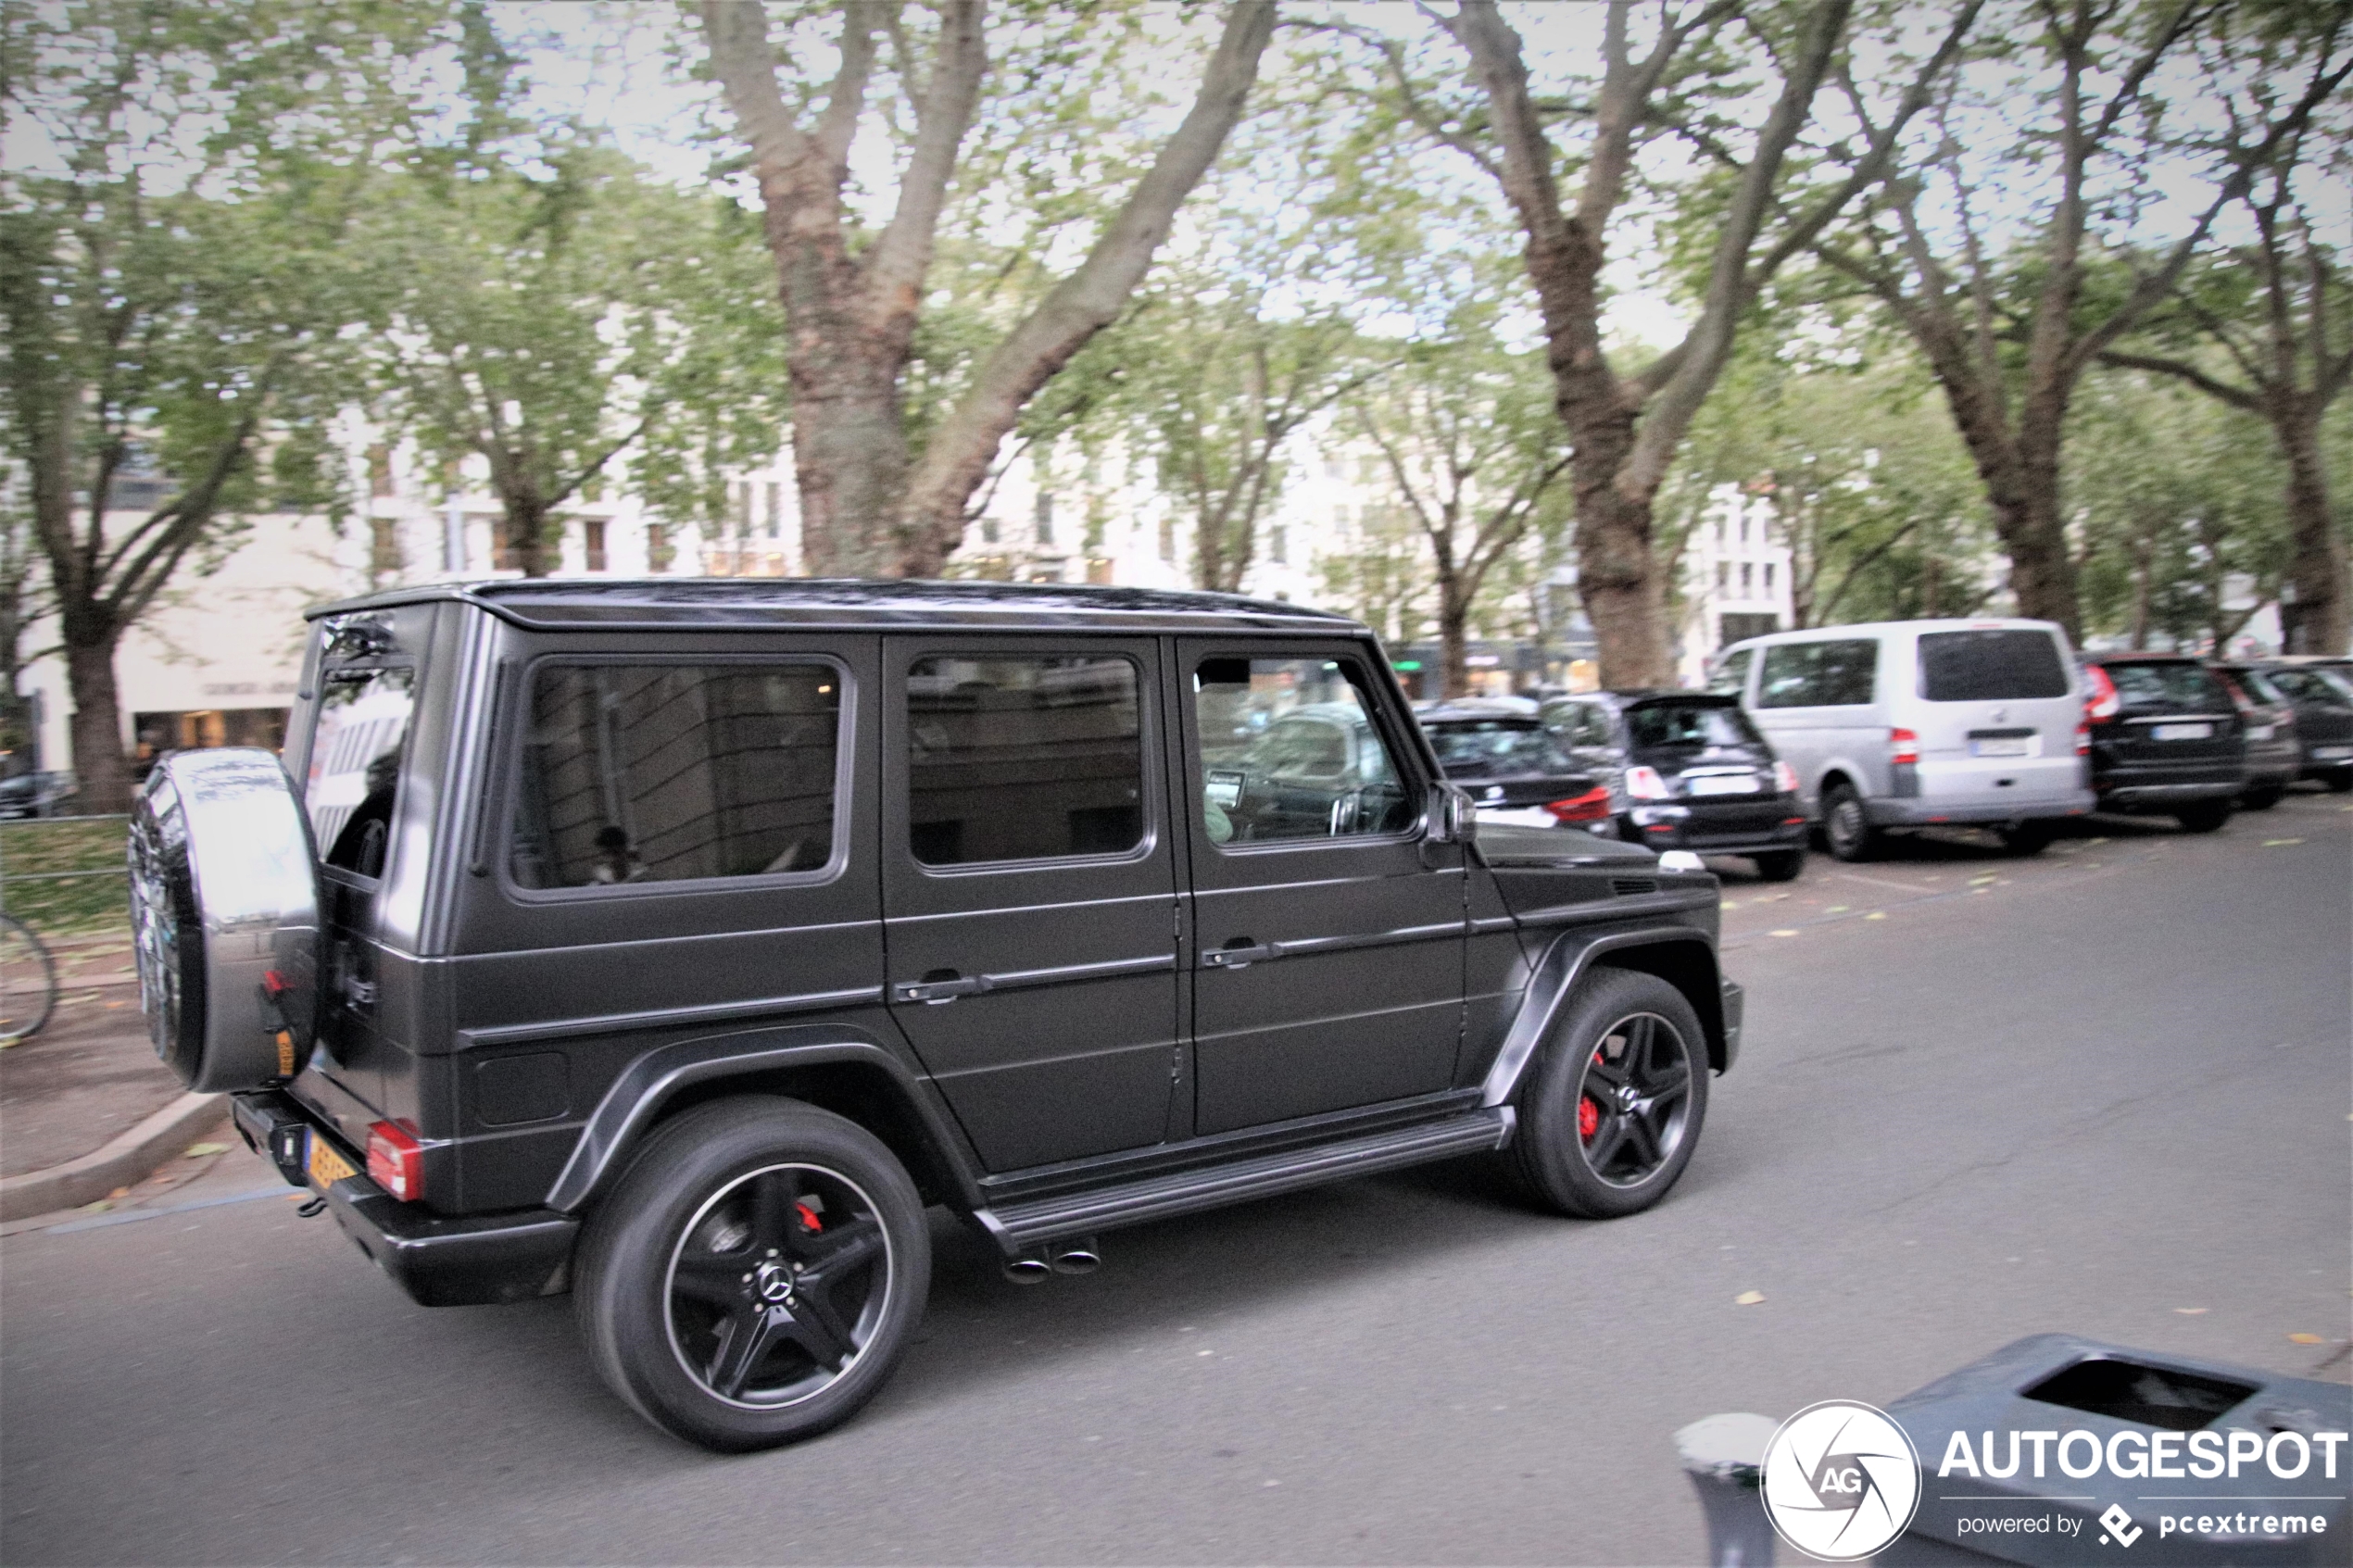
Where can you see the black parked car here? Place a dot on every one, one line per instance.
(2274, 754)
(1688, 771)
(2166, 737)
(674, 944)
(1513, 767)
(35, 794)
(2324, 702)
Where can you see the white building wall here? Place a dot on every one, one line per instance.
(1733, 565)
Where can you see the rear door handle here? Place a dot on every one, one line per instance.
(938, 987)
(1232, 956)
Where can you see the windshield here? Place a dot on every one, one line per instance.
(1659, 726)
(1477, 750)
(2178, 685)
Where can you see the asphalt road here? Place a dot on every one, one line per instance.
(2106, 1092)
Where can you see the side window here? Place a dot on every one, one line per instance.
(1290, 751)
(355, 756)
(1819, 674)
(670, 772)
(1730, 674)
(1023, 758)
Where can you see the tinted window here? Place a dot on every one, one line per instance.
(670, 772)
(1477, 750)
(2184, 686)
(355, 756)
(1289, 751)
(1990, 666)
(2306, 686)
(1666, 725)
(1818, 674)
(1730, 674)
(1023, 758)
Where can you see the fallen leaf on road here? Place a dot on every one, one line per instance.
(2306, 1339)
(2275, 843)
(198, 1150)
(98, 1207)
(118, 1004)
(2099, 841)
(1748, 1298)
(1785, 933)
(2191, 1312)
(1876, 914)
(1980, 881)
(119, 1192)
(1837, 909)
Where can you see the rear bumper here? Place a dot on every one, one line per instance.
(440, 1261)
(1931, 812)
(2155, 790)
(1752, 828)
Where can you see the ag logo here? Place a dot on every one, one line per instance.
(1841, 1480)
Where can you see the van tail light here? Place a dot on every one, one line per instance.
(2100, 701)
(1644, 783)
(2082, 738)
(1784, 778)
(1590, 806)
(396, 1160)
(1902, 747)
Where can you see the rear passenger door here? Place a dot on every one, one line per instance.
(1029, 889)
(1816, 703)
(1330, 932)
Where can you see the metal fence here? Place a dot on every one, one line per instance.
(50, 867)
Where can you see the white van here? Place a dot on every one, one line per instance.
(1910, 724)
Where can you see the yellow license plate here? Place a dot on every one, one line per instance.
(324, 1165)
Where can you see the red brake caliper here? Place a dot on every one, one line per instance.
(1589, 1115)
(809, 1217)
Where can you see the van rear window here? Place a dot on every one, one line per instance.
(1990, 666)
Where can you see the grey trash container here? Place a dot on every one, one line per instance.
(2122, 1398)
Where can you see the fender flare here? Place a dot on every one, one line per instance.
(649, 1083)
(1556, 974)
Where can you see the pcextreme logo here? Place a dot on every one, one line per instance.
(1841, 1480)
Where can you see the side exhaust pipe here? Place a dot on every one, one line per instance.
(1028, 1271)
(1078, 1257)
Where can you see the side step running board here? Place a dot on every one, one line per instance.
(1021, 1228)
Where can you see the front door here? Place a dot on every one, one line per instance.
(1328, 962)
(1029, 890)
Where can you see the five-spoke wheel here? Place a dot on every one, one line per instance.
(1610, 1115)
(756, 1274)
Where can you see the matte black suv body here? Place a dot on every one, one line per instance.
(680, 940)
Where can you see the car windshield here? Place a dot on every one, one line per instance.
(1662, 726)
(2175, 684)
(1473, 748)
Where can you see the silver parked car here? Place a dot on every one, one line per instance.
(1915, 724)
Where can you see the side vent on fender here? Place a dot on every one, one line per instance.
(1631, 886)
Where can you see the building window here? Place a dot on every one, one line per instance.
(1099, 569)
(1045, 515)
(660, 552)
(592, 543)
(775, 507)
(1168, 536)
(1768, 577)
(1278, 544)
(1723, 574)
(1748, 578)
(384, 552)
(987, 529)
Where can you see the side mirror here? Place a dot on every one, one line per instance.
(1453, 816)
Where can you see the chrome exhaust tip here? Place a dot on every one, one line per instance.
(1078, 1257)
(1028, 1271)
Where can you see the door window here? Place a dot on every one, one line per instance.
(646, 774)
(1731, 674)
(1833, 674)
(356, 757)
(1290, 751)
(1025, 758)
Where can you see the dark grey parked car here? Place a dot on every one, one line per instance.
(2322, 699)
(2274, 754)
(676, 943)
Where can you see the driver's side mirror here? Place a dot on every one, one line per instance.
(1453, 819)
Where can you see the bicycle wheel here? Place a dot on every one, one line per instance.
(27, 981)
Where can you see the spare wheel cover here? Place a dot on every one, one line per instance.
(224, 913)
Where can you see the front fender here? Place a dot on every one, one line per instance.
(1683, 958)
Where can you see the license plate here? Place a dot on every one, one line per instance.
(2332, 753)
(324, 1165)
(1721, 783)
(1518, 816)
(2182, 732)
(2006, 745)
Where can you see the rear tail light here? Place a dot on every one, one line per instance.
(1644, 783)
(1784, 778)
(2100, 701)
(1902, 747)
(2082, 738)
(396, 1160)
(1590, 806)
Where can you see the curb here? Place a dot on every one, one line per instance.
(118, 1163)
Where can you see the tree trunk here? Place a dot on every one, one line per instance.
(100, 768)
(850, 462)
(1454, 640)
(534, 552)
(2323, 622)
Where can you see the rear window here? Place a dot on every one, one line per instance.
(1482, 750)
(1990, 666)
(356, 757)
(1668, 725)
(1838, 674)
(2174, 685)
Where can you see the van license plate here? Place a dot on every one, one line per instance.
(2006, 745)
(325, 1166)
(2182, 732)
(2332, 753)
(1723, 783)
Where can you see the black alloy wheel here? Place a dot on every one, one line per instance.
(2341, 781)
(1780, 865)
(2025, 838)
(2261, 798)
(1846, 830)
(1615, 1109)
(2204, 817)
(756, 1275)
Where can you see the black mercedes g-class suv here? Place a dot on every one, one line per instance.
(676, 943)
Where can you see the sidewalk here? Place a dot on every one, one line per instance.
(85, 1108)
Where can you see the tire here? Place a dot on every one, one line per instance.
(2026, 838)
(1846, 832)
(2204, 817)
(1602, 1164)
(712, 1239)
(1781, 865)
(2262, 797)
(27, 981)
(2341, 781)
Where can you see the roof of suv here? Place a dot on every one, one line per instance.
(684, 603)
